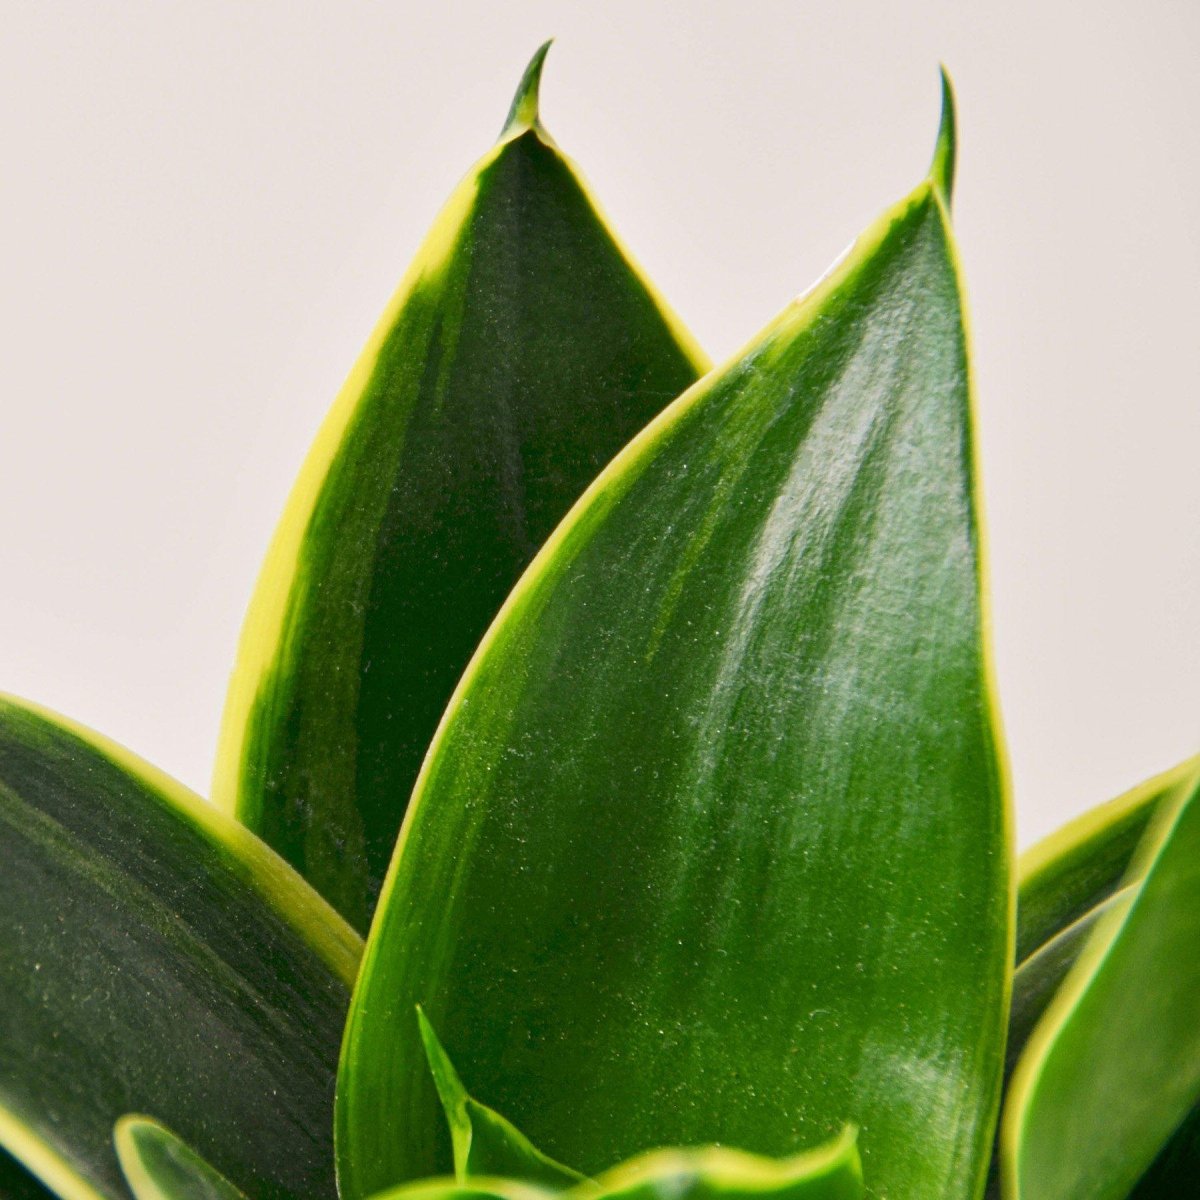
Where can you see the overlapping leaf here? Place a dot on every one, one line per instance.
(1068, 874)
(488, 1145)
(521, 352)
(1112, 1071)
(154, 955)
(485, 1142)
(714, 823)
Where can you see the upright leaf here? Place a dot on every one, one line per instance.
(158, 1165)
(154, 955)
(523, 349)
(1113, 1069)
(712, 844)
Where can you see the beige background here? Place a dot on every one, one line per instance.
(204, 207)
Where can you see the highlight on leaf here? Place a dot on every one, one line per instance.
(760, 629)
(709, 847)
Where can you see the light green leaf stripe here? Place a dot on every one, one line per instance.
(1114, 1066)
(160, 1166)
(482, 1187)
(715, 821)
(1039, 977)
(486, 1143)
(155, 956)
(522, 351)
(1067, 874)
(829, 1172)
(19, 1183)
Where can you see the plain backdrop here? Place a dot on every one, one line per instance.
(204, 207)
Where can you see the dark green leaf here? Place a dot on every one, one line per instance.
(713, 842)
(19, 1183)
(154, 955)
(521, 352)
(160, 1166)
(1175, 1171)
(1113, 1068)
(486, 1143)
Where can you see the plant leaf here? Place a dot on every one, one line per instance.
(155, 955)
(712, 844)
(158, 1165)
(1037, 980)
(477, 1188)
(486, 1143)
(1068, 882)
(521, 352)
(1113, 1068)
(1069, 873)
(829, 1172)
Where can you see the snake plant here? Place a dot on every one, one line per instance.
(640, 716)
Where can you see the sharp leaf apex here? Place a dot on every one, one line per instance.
(945, 151)
(524, 113)
(449, 1086)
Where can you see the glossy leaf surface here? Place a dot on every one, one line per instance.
(522, 351)
(486, 1143)
(715, 820)
(158, 1165)
(1066, 875)
(1113, 1069)
(155, 955)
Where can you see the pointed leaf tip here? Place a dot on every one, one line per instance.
(486, 1143)
(524, 114)
(945, 152)
(445, 1078)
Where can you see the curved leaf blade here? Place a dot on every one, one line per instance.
(155, 955)
(1037, 980)
(829, 1172)
(159, 1165)
(1113, 1069)
(715, 819)
(478, 1188)
(522, 351)
(1069, 873)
